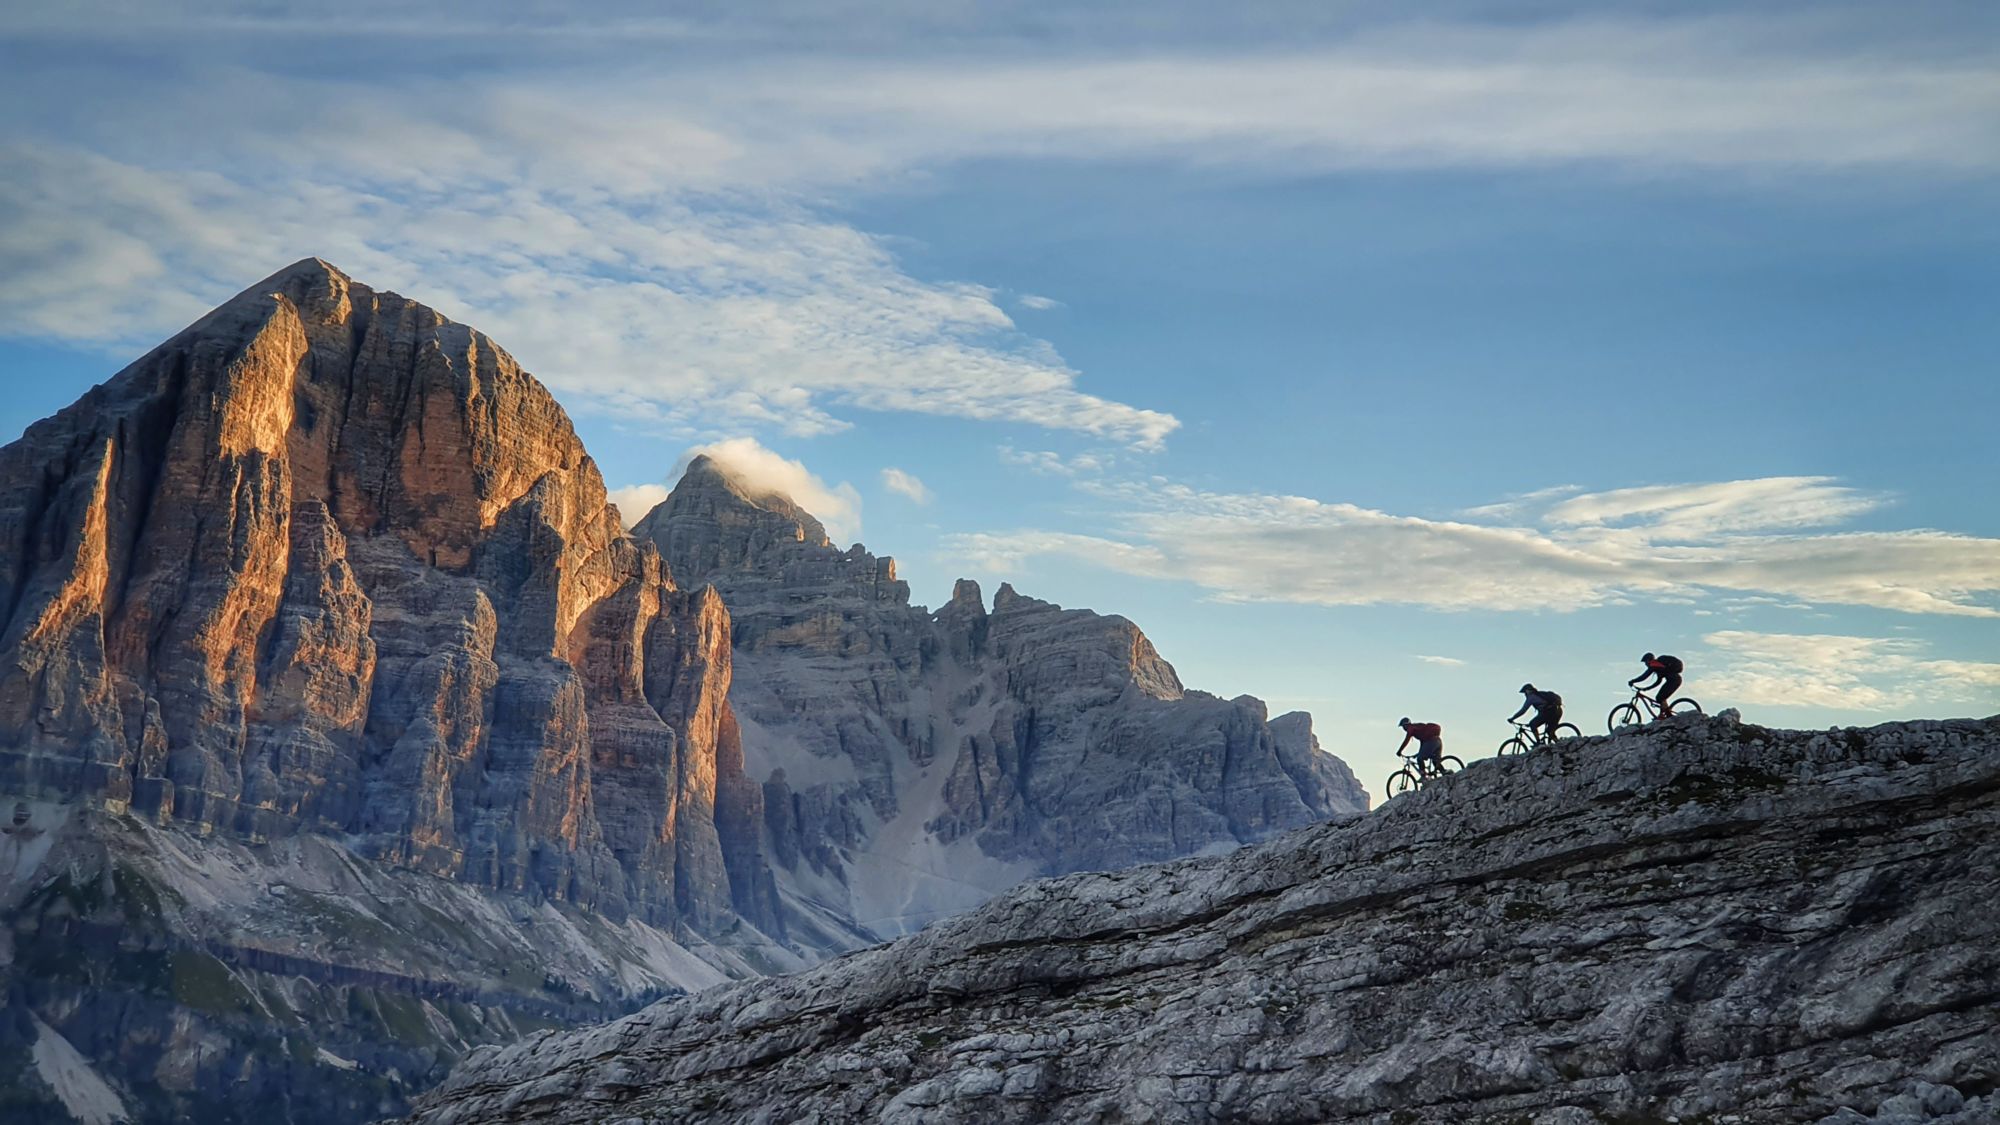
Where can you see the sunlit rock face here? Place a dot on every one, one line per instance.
(344, 728)
(915, 763)
(327, 561)
(1699, 921)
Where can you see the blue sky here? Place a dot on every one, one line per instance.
(1373, 363)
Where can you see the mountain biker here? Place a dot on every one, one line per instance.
(1668, 669)
(1430, 743)
(1548, 709)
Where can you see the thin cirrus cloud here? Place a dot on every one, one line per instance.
(661, 248)
(1758, 538)
(1846, 672)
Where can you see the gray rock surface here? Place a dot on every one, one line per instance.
(1702, 921)
(916, 763)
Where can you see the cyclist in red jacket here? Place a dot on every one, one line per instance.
(1668, 669)
(1430, 743)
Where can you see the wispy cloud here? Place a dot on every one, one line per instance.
(1447, 661)
(1037, 302)
(1740, 538)
(906, 484)
(635, 500)
(1050, 463)
(1847, 673)
(659, 245)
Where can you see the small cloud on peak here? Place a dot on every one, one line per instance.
(1037, 302)
(635, 500)
(907, 484)
(750, 464)
(1447, 661)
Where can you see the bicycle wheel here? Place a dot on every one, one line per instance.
(1566, 730)
(1449, 763)
(1624, 715)
(1683, 706)
(1514, 745)
(1401, 782)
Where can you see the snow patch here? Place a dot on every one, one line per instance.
(87, 1097)
(335, 1061)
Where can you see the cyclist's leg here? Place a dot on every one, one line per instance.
(1550, 720)
(1428, 753)
(1540, 728)
(1668, 687)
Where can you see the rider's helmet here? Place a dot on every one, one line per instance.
(1648, 658)
(1403, 722)
(1526, 688)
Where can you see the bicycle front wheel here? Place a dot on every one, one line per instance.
(1401, 782)
(1449, 763)
(1514, 745)
(1566, 730)
(1683, 706)
(1624, 715)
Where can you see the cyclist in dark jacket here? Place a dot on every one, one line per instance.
(1548, 709)
(1668, 669)
(1430, 743)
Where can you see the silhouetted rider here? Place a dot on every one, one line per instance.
(1668, 669)
(1430, 743)
(1548, 709)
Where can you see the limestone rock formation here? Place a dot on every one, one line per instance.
(1700, 921)
(330, 577)
(328, 561)
(915, 763)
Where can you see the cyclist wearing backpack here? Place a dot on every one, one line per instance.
(1548, 709)
(1430, 744)
(1668, 669)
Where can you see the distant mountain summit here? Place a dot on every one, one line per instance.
(344, 727)
(915, 763)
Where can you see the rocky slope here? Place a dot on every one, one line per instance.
(1701, 921)
(915, 763)
(343, 727)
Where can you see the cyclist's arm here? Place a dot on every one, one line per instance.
(1518, 714)
(1646, 675)
(1406, 741)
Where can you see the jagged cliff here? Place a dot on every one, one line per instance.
(328, 561)
(915, 763)
(1701, 921)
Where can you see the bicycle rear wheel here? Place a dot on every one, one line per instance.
(1514, 745)
(1401, 782)
(1566, 730)
(1683, 706)
(1624, 715)
(1449, 763)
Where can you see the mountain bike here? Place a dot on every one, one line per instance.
(1525, 740)
(1642, 709)
(1415, 776)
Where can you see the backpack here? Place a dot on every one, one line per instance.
(1426, 731)
(1672, 664)
(1549, 699)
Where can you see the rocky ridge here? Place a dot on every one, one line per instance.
(915, 763)
(1703, 920)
